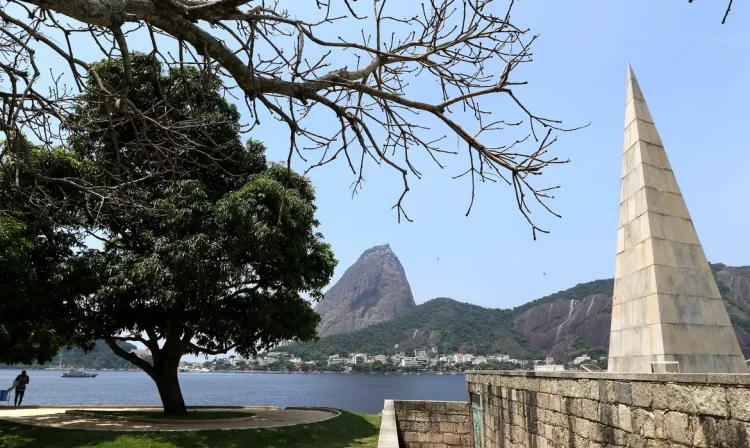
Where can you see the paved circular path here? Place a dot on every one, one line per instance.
(264, 418)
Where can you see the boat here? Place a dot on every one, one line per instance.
(78, 374)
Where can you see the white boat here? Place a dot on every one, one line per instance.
(78, 374)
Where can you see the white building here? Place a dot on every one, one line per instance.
(502, 358)
(434, 350)
(480, 360)
(458, 357)
(359, 359)
(381, 358)
(581, 359)
(468, 358)
(549, 368)
(396, 359)
(420, 354)
(141, 353)
(409, 362)
(335, 359)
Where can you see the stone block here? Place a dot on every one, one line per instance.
(436, 437)
(590, 409)
(463, 428)
(449, 427)
(739, 403)
(624, 418)
(644, 423)
(623, 392)
(452, 439)
(676, 428)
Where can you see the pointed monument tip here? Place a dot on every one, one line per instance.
(631, 74)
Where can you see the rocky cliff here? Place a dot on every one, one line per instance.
(579, 318)
(372, 290)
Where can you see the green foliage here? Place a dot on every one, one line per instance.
(210, 250)
(451, 326)
(28, 330)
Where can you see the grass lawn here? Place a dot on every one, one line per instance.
(348, 430)
(192, 415)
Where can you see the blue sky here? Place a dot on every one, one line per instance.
(693, 72)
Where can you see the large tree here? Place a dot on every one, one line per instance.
(200, 254)
(30, 308)
(353, 66)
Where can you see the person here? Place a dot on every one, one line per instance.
(21, 381)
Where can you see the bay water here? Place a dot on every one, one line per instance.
(353, 392)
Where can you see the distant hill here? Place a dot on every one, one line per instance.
(450, 325)
(372, 290)
(564, 324)
(101, 357)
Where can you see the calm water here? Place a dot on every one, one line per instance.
(359, 393)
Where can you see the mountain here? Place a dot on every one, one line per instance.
(372, 290)
(564, 324)
(449, 325)
(559, 324)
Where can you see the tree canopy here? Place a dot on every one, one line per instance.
(209, 255)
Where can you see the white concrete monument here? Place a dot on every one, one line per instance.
(667, 313)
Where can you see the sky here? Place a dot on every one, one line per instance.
(693, 72)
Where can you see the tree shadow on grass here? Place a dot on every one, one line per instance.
(348, 430)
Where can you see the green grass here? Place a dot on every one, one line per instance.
(348, 430)
(192, 415)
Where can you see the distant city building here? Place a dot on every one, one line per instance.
(581, 359)
(335, 359)
(396, 359)
(480, 360)
(381, 358)
(443, 359)
(549, 360)
(410, 362)
(434, 350)
(549, 368)
(458, 357)
(295, 360)
(420, 354)
(468, 358)
(359, 359)
(141, 353)
(502, 358)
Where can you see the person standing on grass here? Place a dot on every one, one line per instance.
(21, 381)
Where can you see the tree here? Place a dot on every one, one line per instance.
(207, 256)
(29, 306)
(340, 74)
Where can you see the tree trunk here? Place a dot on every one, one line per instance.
(170, 392)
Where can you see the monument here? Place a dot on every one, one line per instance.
(667, 311)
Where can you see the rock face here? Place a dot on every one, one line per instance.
(554, 327)
(372, 290)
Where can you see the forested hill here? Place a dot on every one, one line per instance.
(564, 324)
(99, 358)
(450, 325)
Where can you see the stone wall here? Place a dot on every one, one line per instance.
(565, 409)
(433, 424)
